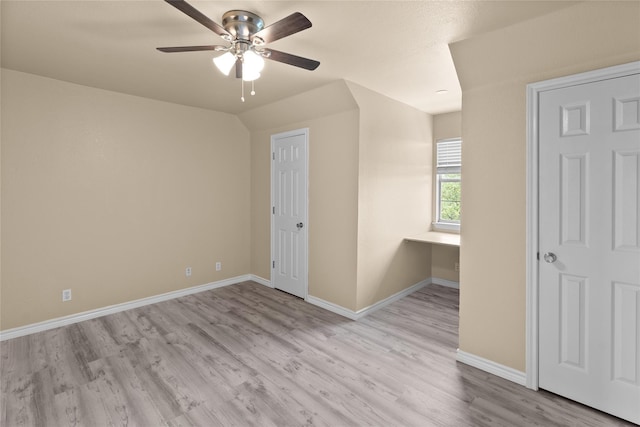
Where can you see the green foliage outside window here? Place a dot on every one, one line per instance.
(450, 197)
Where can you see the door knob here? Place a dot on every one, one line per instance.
(550, 257)
(299, 225)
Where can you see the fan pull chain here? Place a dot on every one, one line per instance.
(253, 89)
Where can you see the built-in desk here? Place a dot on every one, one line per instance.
(438, 238)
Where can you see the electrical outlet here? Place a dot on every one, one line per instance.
(218, 266)
(66, 295)
(187, 272)
(456, 266)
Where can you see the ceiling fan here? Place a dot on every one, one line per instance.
(247, 35)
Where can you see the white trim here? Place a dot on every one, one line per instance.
(92, 314)
(305, 132)
(261, 280)
(355, 315)
(438, 224)
(334, 308)
(531, 239)
(445, 282)
(447, 226)
(533, 92)
(491, 367)
(393, 298)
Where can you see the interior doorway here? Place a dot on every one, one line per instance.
(289, 219)
(583, 305)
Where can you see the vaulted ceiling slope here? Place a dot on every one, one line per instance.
(396, 48)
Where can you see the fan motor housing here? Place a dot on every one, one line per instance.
(242, 24)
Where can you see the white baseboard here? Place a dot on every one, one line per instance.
(261, 280)
(393, 298)
(445, 282)
(355, 315)
(335, 308)
(92, 314)
(492, 367)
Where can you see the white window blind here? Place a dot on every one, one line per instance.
(449, 156)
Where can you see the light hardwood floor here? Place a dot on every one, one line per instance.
(247, 355)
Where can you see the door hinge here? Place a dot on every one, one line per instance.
(273, 264)
(538, 256)
(273, 210)
(273, 156)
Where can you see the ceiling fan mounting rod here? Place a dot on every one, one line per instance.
(240, 47)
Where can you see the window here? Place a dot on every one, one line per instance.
(448, 167)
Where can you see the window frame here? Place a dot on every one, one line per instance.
(442, 224)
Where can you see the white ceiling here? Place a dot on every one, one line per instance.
(396, 48)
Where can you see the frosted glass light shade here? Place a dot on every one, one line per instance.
(225, 62)
(252, 64)
(248, 77)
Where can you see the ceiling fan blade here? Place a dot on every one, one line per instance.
(188, 48)
(238, 68)
(194, 13)
(285, 27)
(298, 61)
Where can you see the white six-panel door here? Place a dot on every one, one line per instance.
(589, 241)
(289, 212)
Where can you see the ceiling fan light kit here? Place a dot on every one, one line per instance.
(246, 33)
(225, 62)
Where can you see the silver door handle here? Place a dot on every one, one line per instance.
(299, 225)
(550, 257)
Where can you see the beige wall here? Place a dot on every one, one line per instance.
(394, 200)
(331, 115)
(447, 125)
(332, 205)
(443, 258)
(494, 70)
(0, 195)
(369, 186)
(112, 196)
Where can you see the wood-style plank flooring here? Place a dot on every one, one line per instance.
(247, 355)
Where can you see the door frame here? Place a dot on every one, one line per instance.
(532, 200)
(305, 132)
